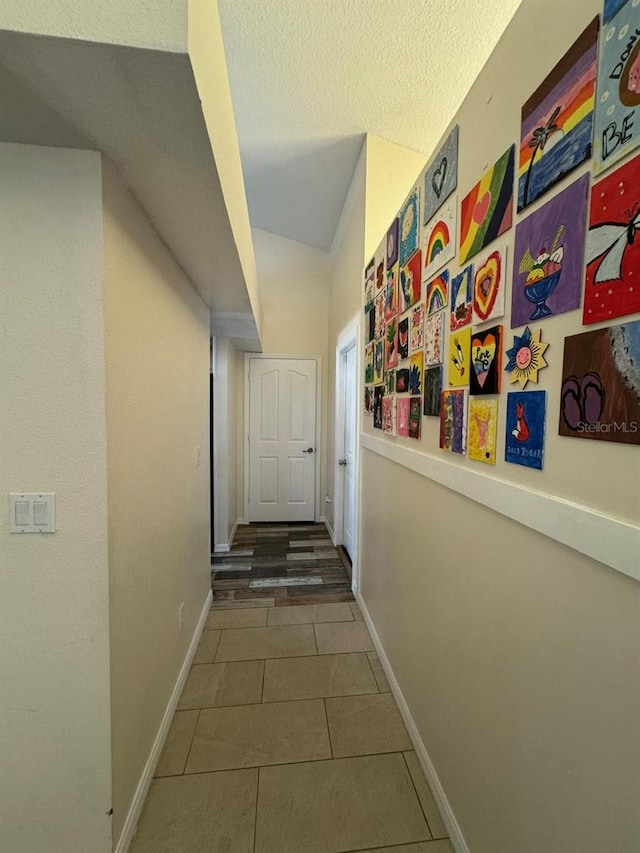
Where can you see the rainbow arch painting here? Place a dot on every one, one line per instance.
(487, 211)
(438, 293)
(440, 239)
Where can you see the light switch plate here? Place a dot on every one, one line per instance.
(32, 512)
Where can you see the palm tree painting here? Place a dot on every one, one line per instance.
(537, 142)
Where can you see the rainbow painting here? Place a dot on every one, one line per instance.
(440, 239)
(487, 211)
(438, 293)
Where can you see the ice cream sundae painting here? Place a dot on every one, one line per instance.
(543, 274)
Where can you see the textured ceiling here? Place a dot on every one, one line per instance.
(310, 77)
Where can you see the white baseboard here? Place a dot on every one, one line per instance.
(330, 531)
(146, 778)
(446, 812)
(242, 521)
(225, 547)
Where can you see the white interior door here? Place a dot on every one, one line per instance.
(282, 439)
(349, 505)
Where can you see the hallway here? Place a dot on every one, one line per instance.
(287, 738)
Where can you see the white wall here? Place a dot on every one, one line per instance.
(55, 783)
(228, 390)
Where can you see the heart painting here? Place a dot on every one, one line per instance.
(488, 287)
(441, 177)
(437, 182)
(486, 360)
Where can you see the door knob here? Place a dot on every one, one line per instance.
(308, 450)
(342, 461)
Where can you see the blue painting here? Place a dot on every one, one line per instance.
(611, 8)
(409, 226)
(441, 178)
(461, 299)
(617, 121)
(524, 444)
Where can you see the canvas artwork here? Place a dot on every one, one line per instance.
(403, 338)
(403, 415)
(415, 417)
(378, 361)
(453, 420)
(526, 357)
(557, 121)
(432, 390)
(389, 414)
(379, 309)
(524, 437)
(600, 394)
(380, 280)
(486, 361)
(368, 364)
(440, 238)
(489, 285)
(402, 380)
(460, 357)
(378, 396)
(411, 282)
(368, 399)
(611, 8)
(392, 243)
(368, 289)
(441, 178)
(434, 339)
(461, 299)
(617, 124)
(391, 293)
(417, 327)
(391, 344)
(548, 263)
(389, 382)
(409, 222)
(370, 325)
(416, 369)
(483, 430)
(487, 211)
(612, 287)
(438, 293)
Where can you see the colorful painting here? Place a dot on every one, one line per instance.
(557, 121)
(417, 327)
(391, 344)
(461, 299)
(600, 394)
(378, 396)
(438, 292)
(453, 421)
(487, 211)
(416, 369)
(415, 417)
(378, 361)
(548, 263)
(368, 364)
(370, 325)
(617, 125)
(612, 287)
(389, 382)
(402, 380)
(368, 288)
(379, 309)
(440, 238)
(392, 243)
(403, 338)
(524, 438)
(486, 361)
(441, 178)
(432, 391)
(403, 415)
(379, 275)
(434, 339)
(459, 357)
(611, 8)
(368, 399)
(389, 414)
(526, 357)
(489, 286)
(391, 294)
(483, 430)
(409, 227)
(410, 282)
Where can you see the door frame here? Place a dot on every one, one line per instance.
(248, 356)
(349, 337)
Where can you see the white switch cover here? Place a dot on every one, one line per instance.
(32, 512)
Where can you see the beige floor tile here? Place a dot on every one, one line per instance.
(255, 735)
(207, 647)
(313, 677)
(378, 672)
(337, 637)
(177, 745)
(278, 642)
(344, 804)
(188, 814)
(357, 613)
(436, 825)
(442, 846)
(255, 617)
(211, 685)
(364, 725)
(308, 613)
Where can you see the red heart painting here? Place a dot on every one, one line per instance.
(488, 295)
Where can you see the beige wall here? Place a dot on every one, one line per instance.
(228, 391)
(157, 376)
(55, 784)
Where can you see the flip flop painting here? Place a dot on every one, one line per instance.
(487, 211)
(600, 393)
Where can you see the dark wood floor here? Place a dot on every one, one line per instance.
(275, 565)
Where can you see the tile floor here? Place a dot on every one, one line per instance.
(287, 740)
